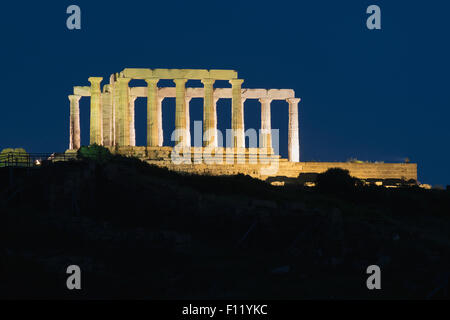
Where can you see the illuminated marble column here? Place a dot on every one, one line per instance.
(132, 122)
(188, 122)
(180, 111)
(293, 143)
(208, 113)
(113, 108)
(117, 117)
(96, 111)
(154, 125)
(124, 107)
(160, 128)
(266, 136)
(237, 113)
(216, 141)
(74, 142)
(107, 116)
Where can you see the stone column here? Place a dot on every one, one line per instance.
(266, 135)
(123, 112)
(74, 140)
(293, 143)
(188, 122)
(237, 113)
(208, 113)
(96, 111)
(113, 109)
(153, 113)
(160, 128)
(107, 118)
(216, 141)
(180, 111)
(132, 122)
(117, 117)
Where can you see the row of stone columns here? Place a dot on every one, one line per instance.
(119, 108)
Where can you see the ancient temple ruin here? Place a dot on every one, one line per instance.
(112, 125)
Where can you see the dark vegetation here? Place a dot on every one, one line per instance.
(139, 231)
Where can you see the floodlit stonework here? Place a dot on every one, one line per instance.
(112, 125)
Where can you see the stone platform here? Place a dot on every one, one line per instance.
(259, 163)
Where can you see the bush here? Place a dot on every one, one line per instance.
(95, 153)
(336, 180)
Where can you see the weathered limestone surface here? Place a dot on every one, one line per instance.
(187, 118)
(266, 127)
(293, 140)
(198, 74)
(180, 112)
(123, 106)
(132, 121)
(153, 124)
(209, 131)
(74, 142)
(82, 91)
(220, 93)
(107, 112)
(96, 111)
(237, 114)
(161, 156)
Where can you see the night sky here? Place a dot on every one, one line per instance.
(377, 95)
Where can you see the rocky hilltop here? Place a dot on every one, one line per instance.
(139, 231)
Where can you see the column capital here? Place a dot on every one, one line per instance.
(293, 100)
(208, 81)
(74, 97)
(107, 88)
(265, 100)
(236, 82)
(123, 80)
(180, 81)
(95, 80)
(188, 99)
(152, 81)
(132, 98)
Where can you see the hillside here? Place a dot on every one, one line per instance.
(138, 231)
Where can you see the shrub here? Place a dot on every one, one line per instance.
(336, 180)
(95, 153)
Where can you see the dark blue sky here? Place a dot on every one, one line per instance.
(372, 95)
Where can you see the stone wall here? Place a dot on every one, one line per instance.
(256, 164)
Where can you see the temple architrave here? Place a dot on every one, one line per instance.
(112, 124)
